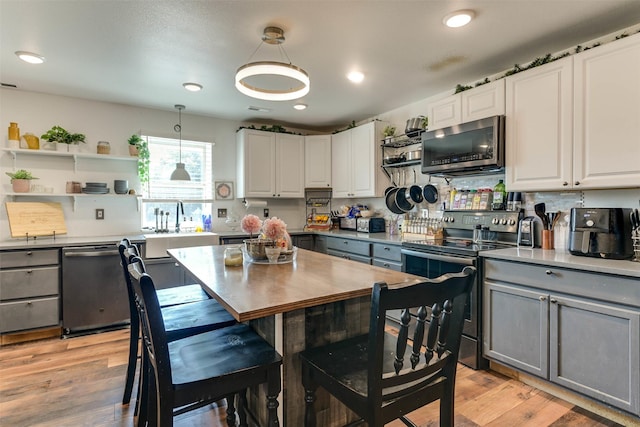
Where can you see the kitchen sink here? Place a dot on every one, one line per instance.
(157, 244)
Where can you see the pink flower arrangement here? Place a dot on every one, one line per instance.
(251, 224)
(274, 228)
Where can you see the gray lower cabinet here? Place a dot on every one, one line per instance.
(166, 273)
(544, 323)
(320, 244)
(354, 250)
(303, 241)
(387, 256)
(29, 289)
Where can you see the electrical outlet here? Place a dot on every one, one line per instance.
(222, 213)
(99, 213)
(266, 213)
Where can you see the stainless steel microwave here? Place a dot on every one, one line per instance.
(469, 148)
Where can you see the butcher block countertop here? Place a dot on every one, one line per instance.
(258, 290)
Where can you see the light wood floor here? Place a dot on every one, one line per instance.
(78, 382)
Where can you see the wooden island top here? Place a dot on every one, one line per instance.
(254, 290)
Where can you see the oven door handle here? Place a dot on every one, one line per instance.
(445, 258)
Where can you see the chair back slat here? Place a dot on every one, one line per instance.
(446, 296)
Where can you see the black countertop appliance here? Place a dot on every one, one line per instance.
(601, 233)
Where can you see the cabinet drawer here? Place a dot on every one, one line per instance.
(29, 282)
(29, 258)
(396, 266)
(351, 246)
(605, 287)
(37, 313)
(390, 252)
(349, 256)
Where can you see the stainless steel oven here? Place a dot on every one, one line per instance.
(431, 260)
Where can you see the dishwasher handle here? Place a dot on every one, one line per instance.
(90, 253)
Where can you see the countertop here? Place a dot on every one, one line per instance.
(66, 241)
(565, 259)
(392, 239)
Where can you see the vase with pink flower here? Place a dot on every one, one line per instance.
(275, 229)
(254, 247)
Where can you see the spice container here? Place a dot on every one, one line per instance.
(233, 256)
(104, 147)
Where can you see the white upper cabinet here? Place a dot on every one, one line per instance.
(355, 159)
(270, 164)
(575, 123)
(538, 127)
(317, 161)
(472, 104)
(607, 115)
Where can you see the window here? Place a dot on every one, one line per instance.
(162, 194)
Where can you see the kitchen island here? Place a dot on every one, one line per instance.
(312, 301)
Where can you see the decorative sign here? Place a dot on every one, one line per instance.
(224, 190)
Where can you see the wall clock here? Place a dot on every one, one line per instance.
(224, 190)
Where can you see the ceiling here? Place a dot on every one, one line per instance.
(140, 52)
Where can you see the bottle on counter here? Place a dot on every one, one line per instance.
(463, 200)
(485, 199)
(477, 233)
(470, 197)
(499, 196)
(475, 204)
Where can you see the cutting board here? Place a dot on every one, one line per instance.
(35, 218)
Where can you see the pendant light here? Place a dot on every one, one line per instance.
(251, 77)
(180, 174)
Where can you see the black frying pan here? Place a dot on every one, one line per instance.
(403, 201)
(430, 192)
(390, 199)
(414, 192)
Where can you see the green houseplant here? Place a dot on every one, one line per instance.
(21, 180)
(62, 136)
(138, 147)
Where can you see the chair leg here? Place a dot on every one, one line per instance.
(231, 411)
(446, 405)
(242, 408)
(133, 362)
(141, 414)
(273, 390)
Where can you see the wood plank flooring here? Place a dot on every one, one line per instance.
(78, 382)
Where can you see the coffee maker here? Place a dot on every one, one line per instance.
(601, 233)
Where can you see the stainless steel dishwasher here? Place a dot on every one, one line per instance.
(94, 295)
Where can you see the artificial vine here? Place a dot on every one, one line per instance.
(535, 63)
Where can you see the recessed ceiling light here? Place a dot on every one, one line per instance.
(192, 87)
(300, 106)
(355, 76)
(31, 58)
(459, 18)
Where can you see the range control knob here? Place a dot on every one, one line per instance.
(503, 221)
(495, 221)
(590, 223)
(452, 219)
(512, 221)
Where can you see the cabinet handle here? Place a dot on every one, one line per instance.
(548, 272)
(576, 183)
(564, 184)
(29, 303)
(29, 271)
(386, 248)
(346, 242)
(553, 300)
(542, 298)
(29, 253)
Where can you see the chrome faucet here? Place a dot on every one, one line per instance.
(179, 210)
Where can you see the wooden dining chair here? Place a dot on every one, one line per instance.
(184, 313)
(370, 374)
(189, 373)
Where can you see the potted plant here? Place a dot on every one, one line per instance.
(388, 132)
(138, 147)
(61, 136)
(134, 142)
(21, 180)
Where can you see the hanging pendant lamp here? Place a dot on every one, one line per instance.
(180, 173)
(272, 80)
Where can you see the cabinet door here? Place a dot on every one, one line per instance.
(364, 167)
(483, 101)
(516, 327)
(317, 161)
(166, 273)
(289, 166)
(607, 115)
(539, 130)
(341, 164)
(303, 241)
(256, 160)
(445, 112)
(595, 350)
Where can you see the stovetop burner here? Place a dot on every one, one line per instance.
(454, 246)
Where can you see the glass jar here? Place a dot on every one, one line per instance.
(233, 256)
